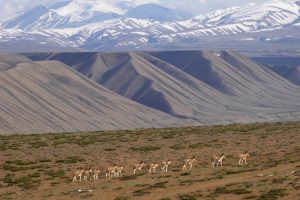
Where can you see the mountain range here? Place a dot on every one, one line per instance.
(87, 91)
(83, 25)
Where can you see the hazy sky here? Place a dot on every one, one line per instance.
(10, 7)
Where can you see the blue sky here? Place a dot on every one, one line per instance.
(10, 7)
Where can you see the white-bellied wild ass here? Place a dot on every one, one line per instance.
(88, 174)
(152, 167)
(119, 171)
(96, 174)
(189, 162)
(243, 158)
(165, 166)
(111, 172)
(138, 166)
(218, 160)
(78, 173)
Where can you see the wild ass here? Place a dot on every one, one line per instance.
(78, 173)
(189, 162)
(119, 171)
(243, 158)
(138, 166)
(88, 174)
(165, 166)
(96, 174)
(218, 160)
(111, 172)
(152, 167)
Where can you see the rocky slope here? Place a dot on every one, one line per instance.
(48, 96)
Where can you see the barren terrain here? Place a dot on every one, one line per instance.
(42, 166)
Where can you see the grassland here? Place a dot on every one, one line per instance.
(41, 166)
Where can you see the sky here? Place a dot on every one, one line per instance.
(9, 8)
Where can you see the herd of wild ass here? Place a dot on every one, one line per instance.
(116, 171)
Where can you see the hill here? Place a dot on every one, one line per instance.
(206, 86)
(49, 96)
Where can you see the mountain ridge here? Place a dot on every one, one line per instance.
(264, 23)
(169, 81)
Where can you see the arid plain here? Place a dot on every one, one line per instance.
(42, 166)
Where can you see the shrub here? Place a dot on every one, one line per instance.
(26, 182)
(273, 194)
(56, 174)
(70, 160)
(187, 197)
(145, 148)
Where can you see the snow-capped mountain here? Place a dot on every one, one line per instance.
(252, 17)
(62, 15)
(76, 13)
(133, 24)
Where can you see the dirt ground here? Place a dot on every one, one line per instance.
(42, 166)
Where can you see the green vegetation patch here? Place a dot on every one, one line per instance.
(149, 188)
(187, 197)
(236, 191)
(20, 165)
(177, 147)
(38, 144)
(141, 192)
(25, 182)
(56, 174)
(20, 162)
(70, 160)
(273, 194)
(145, 148)
(122, 198)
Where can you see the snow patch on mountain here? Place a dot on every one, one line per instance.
(104, 25)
